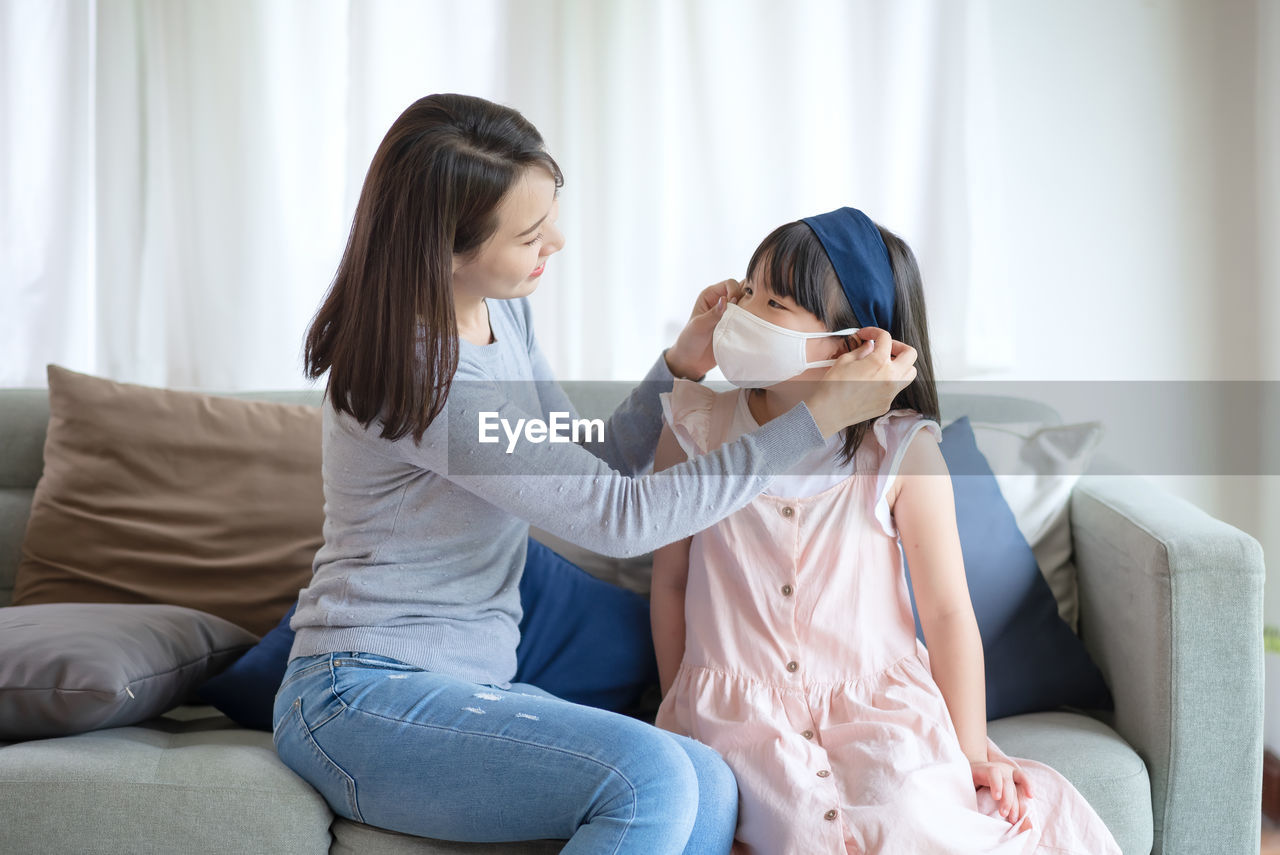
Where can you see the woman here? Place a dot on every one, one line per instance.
(398, 704)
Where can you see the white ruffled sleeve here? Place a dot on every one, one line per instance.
(894, 431)
(687, 409)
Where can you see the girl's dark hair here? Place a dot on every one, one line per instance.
(792, 263)
(387, 332)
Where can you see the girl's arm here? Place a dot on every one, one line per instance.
(670, 573)
(924, 510)
(925, 513)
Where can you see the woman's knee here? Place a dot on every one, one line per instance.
(717, 787)
(656, 777)
(714, 775)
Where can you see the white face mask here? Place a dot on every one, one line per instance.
(753, 353)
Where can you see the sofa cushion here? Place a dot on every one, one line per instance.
(353, 838)
(160, 496)
(71, 667)
(200, 787)
(1095, 759)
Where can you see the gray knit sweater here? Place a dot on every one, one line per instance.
(424, 543)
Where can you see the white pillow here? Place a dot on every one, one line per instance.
(1036, 466)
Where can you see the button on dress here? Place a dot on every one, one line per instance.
(802, 669)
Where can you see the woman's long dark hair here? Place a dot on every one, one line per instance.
(794, 264)
(387, 332)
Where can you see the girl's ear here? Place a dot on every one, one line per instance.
(833, 348)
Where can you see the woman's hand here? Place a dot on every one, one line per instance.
(1008, 784)
(691, 357)
(870, 377)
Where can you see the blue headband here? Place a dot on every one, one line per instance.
(861, 262)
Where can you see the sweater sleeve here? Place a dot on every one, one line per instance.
(631, 431)
(563, 488)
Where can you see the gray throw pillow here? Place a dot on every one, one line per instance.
(70, 667)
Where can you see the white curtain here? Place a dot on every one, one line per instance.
(180, 175)
(46, 189)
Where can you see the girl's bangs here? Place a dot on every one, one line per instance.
(791, 262)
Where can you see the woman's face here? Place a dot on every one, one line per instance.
(785, 312)
(510, 262)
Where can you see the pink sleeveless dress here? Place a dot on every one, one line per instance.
(803, 670)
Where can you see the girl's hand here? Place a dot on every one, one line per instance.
(691, 357)
(1008, 784)
(871, 376)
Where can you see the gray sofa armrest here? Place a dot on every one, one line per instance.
(1171, 610)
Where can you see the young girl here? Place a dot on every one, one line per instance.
(790, 647)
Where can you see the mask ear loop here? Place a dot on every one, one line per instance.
(844, 339)
(848, 348)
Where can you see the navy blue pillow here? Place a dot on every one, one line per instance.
(246, 691)
(581, 639)
(1034, 661)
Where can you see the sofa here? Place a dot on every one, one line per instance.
(1169, 609)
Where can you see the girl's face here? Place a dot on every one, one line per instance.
(760, 301)
(510, 262)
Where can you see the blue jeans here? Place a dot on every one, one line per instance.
(423, 753)
(427, 754)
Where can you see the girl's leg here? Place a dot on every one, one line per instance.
(582, 639)
(434, 756)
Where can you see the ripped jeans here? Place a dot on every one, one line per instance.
(419, 752)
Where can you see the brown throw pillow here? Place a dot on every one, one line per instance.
(159, 496)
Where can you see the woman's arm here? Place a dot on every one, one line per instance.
(485, 443)
(670, 573)
(631, 432)
(924, 510)
(562, 488)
